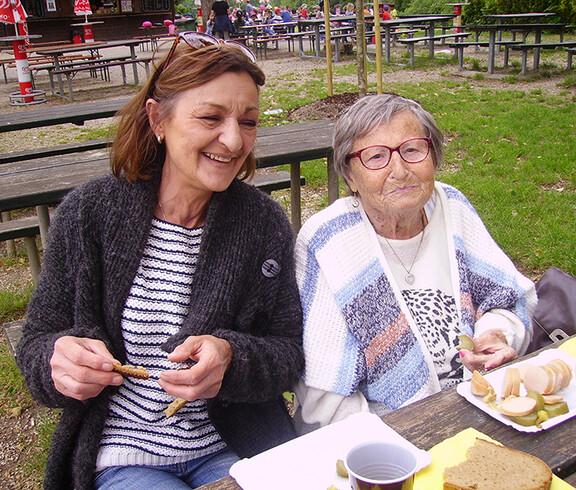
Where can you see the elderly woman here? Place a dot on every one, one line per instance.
(391, 276)
(171, 263)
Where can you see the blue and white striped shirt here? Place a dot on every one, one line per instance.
(137, 431)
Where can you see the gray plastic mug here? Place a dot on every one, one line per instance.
(379, 465)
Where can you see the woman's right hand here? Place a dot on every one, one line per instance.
(82, 368)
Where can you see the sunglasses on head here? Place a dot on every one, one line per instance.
(199, 40)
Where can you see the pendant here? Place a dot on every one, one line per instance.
(409, 278)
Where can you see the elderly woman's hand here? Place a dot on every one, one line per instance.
(82, 368)
(204, 380)
(490, 351)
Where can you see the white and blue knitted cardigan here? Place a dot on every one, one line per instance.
(358, 331)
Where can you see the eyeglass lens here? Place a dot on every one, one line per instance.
(412, 151)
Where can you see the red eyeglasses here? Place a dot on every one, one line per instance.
(199, 40)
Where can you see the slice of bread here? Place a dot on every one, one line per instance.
(490, 466)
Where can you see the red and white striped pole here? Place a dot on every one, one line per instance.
(23, 69)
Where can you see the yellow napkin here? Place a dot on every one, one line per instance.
(569, 347)
(451, 452)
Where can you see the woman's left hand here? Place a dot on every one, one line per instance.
(490, 351)
(204, 379)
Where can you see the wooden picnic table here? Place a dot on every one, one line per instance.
(45, 181)
(445, 414)
(256, 36)
(427, 20)
(526, 29)
(94, 48)
(502, 18)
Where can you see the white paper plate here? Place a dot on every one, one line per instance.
(496, 379)
(309, 462)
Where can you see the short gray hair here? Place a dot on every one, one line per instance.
(372, 111)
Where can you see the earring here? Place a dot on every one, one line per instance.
(355, 201)
(160, 139)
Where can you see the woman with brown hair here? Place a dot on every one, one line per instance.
(174, 264)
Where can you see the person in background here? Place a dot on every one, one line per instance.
(252, 18)
(249, 8)
(386, 13)
(239, 21)
(303, 12)
(391, 276)
(210, 23)
(285, 14)
(337, 9)
(222, 24)
(318, 12)
(393, 13)
(172, 263)
(276, 17)
(267, 20)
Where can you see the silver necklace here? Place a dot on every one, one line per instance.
(162, 211)
(409, 277)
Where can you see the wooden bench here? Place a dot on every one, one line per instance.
(29, 229)
(536, 47)
(348, 46)
(72, 69)
(571, 52)
(260, 43)
(56, 150)
(459, 49)
(37, 62)
(410, 42)
(300, 36)
(101, 66)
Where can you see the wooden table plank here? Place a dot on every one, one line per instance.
(71, 113)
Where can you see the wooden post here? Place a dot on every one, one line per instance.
(378, 42)
(328, 44)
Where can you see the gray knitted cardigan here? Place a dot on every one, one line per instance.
(96, 242)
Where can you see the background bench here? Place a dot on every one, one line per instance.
(71, 69)
(56, 150)
(29, 228)
(571, 52)
(536, 47)
(410, 42)
(459, 49)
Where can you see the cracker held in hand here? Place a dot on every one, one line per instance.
(175, 406)
(137, 372)
(490, 466)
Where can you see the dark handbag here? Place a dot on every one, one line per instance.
(555, 315)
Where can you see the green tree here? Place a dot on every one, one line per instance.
(427, 7)
(472, 14)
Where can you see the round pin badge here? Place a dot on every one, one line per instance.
(270, 268)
